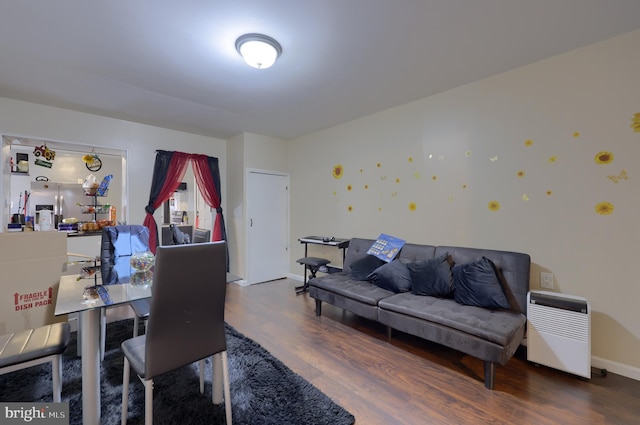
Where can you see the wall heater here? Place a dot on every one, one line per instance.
(559, 332)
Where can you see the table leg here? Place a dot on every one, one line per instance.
(216, 379)
(90, 329)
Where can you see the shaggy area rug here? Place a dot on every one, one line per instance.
(263, 390)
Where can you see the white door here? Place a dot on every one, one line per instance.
(268, 226)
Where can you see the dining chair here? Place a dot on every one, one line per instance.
(186, 319)
(201, 235)
(141, 307)
(20, 350)
(117, 245)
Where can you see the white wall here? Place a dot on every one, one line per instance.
(428, 171)
(140, 141)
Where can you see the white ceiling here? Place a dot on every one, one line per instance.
(173, 64)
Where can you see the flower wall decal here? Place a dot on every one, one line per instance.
(635, 122)
(494, 206)
(604, 208)
(603, 157)
(375, 181)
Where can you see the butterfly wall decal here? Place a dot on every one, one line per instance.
(622, 176)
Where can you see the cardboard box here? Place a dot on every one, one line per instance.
(30, 266)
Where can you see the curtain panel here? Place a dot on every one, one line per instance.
(168, 172)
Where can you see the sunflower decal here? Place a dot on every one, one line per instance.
(412, 206)
(528, 143)
(603, 157)
(338, 171)
(520, 174)
(604, 208)
(635, 122)
(494, 206)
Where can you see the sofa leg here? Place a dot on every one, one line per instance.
(489, 374)
(318, 307)
(389, 332)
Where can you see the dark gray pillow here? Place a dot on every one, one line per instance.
(478, 284)
(363, 267)
(393, 276)
(432, 277)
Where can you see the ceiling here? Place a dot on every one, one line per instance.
(173, 64)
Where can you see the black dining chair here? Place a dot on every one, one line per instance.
(141, 307)
(117, 245)
(183, 328)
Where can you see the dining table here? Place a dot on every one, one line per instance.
(81, 290)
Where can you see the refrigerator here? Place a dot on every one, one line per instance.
(66, 200)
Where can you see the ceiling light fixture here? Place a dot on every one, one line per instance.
(258, 50)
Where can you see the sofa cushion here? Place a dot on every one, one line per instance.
(363, 267)
(498, 326)
(432, 277)
(341, 284)
(393, 276)
(477, 284)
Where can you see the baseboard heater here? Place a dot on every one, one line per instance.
(559, 332)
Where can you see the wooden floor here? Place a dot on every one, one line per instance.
(409, 381)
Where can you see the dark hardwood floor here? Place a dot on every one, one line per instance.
(406, 380)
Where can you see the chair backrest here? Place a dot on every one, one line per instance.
(123, 240)
(179, 237)
(201, 235)
(117, 245)
(187, 306)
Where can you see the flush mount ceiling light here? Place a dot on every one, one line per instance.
(258, 50)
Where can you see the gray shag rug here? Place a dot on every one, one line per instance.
(263, 389)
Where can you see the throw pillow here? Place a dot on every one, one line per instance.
(432, 277)
(393, 276)
(478, 284)
(363, 267)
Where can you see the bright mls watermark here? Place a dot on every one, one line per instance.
(34, 413)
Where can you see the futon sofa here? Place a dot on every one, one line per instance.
(491, 332)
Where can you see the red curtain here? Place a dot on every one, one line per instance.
(175, 172)
(206, 184)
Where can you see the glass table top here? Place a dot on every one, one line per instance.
(86, 285)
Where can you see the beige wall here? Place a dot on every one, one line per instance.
(427, 172)
(247, 151)
(140, 141)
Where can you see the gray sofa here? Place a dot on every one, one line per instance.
(492, 335)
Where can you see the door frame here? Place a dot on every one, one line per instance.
(247, 219)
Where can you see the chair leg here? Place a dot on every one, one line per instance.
(217, 384)
(227, 390)
(136, 325)
(201, 368)
(56, 371)
(148, 402)
(103, 331)
(125, 391)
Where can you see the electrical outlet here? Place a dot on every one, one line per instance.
(546, 280)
